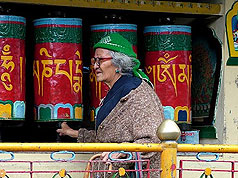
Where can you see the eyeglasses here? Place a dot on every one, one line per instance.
(99, 60)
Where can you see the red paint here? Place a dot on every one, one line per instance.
(173, 167)
(12, 70)
(58, 88)
(170, 90)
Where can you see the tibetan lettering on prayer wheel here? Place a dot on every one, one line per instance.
(99, 89)
(168, 65)
(12, 67)
(57, 69)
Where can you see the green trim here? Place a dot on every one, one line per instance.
(12, 31)
(58, 34)
(130, 36)
(206, 131)
(12, 119)
(232, 61)
(168, 43)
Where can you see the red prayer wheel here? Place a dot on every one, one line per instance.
(58, 69)
(168, 65)
(12, 67)
(99, 89)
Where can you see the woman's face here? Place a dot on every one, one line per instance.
(104, 69)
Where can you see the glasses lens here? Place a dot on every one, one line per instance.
(93, 60)
(99, 61)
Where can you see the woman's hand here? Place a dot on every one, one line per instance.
(66, 130)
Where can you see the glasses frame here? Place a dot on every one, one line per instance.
(99, 60)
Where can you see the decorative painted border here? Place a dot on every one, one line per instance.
(233, 53)
(12, 110)
(41, 114)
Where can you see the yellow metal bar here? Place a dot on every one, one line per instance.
(92, 147)
(136, 5)
(168, 160)
(207, 148)
(115, 146)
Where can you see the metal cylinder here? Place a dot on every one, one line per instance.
(12, 67)
(168, 65)
(57, 69)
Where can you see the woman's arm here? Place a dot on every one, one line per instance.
(83, 135)
(66, 130)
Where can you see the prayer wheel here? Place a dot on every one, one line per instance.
(99, 89)
(12, 67)
(57, 69)
(168, 65)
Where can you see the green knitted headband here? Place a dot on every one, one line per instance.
(116, 42)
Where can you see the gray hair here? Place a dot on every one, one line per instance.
(124, 63)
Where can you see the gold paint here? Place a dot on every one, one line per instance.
(92, 115)
(181, 108)
(208, 171)
(78, 113)
(163, 74)
(62, 173)
(9, 65)
(44, 50)
(148, 69)
(78, 54)
(166, 55)
(229, 16)
(36, 72)
(2, 173)
(6, 77)
(182, 76)
(121, 171)
(98, 85)
(21, 74)
(5, 111)
(165, 71)
(190, 58)
(79, 79)
(46, 72)
(99, 90)
(6, 50)
(58, 62)
(6, 62)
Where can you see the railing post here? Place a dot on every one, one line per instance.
(168, 132)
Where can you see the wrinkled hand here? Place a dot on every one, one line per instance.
(66, 130)
(104, 156)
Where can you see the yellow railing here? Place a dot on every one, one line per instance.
(168, 147)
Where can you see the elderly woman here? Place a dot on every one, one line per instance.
(131, 112)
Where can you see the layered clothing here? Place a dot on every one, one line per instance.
(134, 113)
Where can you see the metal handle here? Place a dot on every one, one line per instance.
(5, 152)
(126, 159)
(209, 154)
(63, 152)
